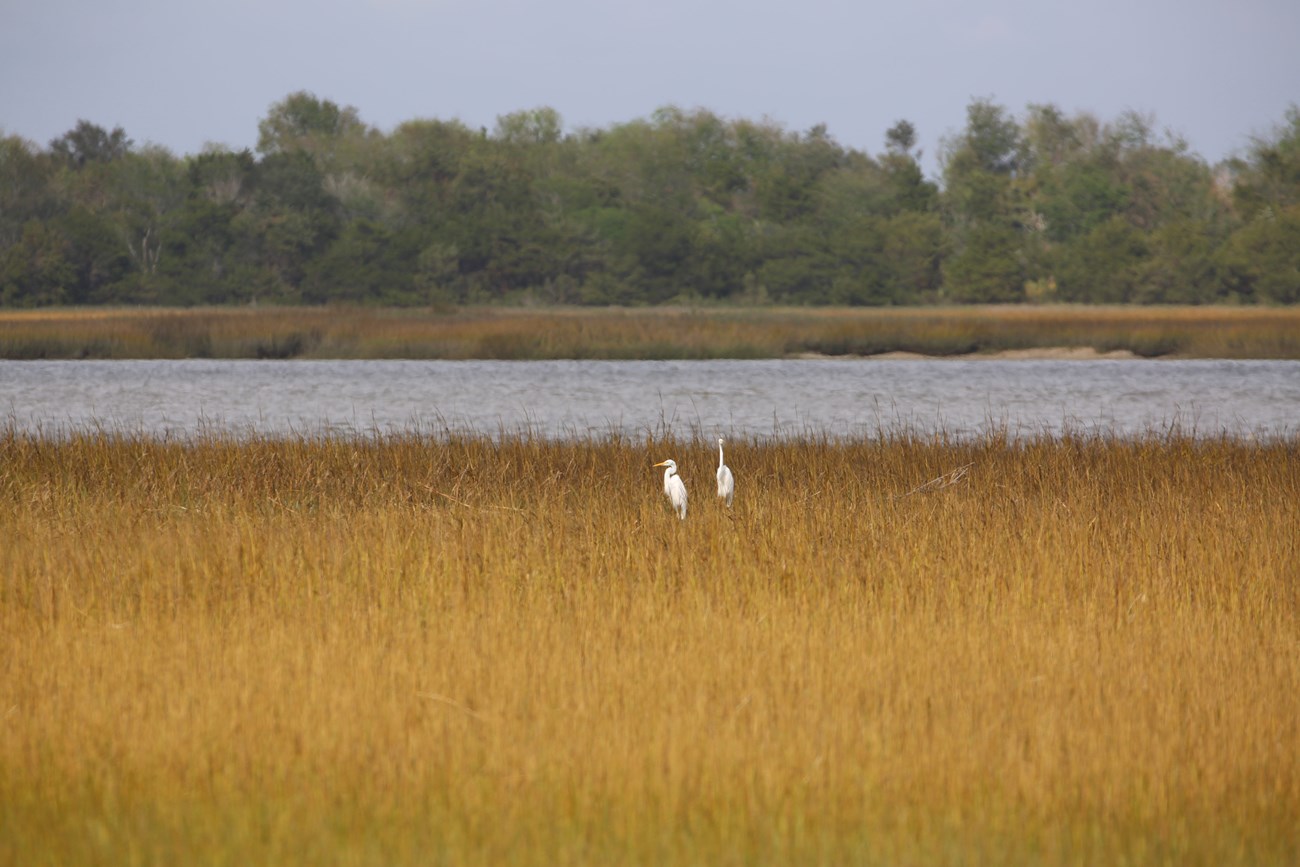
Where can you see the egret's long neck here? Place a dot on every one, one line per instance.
(719, 454)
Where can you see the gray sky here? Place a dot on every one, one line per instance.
(183, 74)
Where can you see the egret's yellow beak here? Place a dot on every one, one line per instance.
(662, 464)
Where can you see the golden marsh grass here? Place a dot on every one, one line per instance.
(465, 651)
(315, 332)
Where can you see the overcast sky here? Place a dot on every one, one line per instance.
(184, 74)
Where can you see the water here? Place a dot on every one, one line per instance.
(576, 399)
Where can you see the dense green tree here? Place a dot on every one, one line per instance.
(206, 256)
(366, 263)
(1103, 266)
(1167, 184)
(291, 219)
(721, 255)
(988, 268)
(659, 241)
(913, 248)
(1269, 177)
(1050, 139)
(1076, 197)
(538, 126)
(786, 186)
(301, 121)
(417, 166)
(1181, 266)
(25, 192)
(37, 270)
(437, 278)
(198, 262)
(1262, 260)
(862, 275)
(797, 269)
(90, 143)
(150, 189)
(97, 255)
(901, 138)
(982, 208)
(906, 187)
(979, 167)
(712, 156)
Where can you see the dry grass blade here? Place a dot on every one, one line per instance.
(442, 699)
(938, 483)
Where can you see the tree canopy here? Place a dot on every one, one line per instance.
(680, 205)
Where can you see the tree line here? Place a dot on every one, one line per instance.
(679, 206)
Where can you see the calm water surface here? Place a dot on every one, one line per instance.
(575, 399)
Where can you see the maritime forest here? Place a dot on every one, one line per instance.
(681, 206)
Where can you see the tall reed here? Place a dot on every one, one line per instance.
(417, 650)
(317, 332)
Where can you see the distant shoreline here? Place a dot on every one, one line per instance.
(984, 333)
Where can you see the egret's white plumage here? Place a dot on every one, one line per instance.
(726, 481)
(674, 487)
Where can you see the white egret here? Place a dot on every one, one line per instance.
(726, 481)
(674, 487)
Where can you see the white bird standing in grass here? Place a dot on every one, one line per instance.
(674, 487)
(726, 481)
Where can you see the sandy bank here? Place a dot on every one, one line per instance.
(1052, 353)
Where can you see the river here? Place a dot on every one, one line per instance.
(581, 399)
